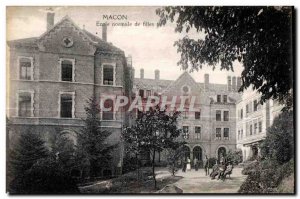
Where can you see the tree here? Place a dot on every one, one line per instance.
(93, 140)
(173, 155)
(153, 131)
(259, 37)
(29, 149)
(279, 143)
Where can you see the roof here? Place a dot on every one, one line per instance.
(100, 44)
(150, 83)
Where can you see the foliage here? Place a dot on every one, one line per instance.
(279, 143)
(46, 176)
(29, 149)
(153, 132)
(250, 167)
(266, 176)
(212, 161)
(277, 158)
(92, 140)
(235, 157)
(258, 37)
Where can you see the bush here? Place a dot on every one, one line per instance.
(235, 157)
(279, 143)
(250, 167)
(265, 177)
(212, 162)
(46, 176)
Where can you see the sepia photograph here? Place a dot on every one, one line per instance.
(150, 100)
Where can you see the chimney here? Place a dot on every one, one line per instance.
(238, 83)
(156, 74)
(229, 83)
(206, 81)
(50, 20)
(142, 73)
(234, 83)
(104, 33)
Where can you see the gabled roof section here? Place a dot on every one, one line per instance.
(184, 75)
(101, 46)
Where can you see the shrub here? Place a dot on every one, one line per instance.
(279, 143)
(212, 162)
(46, 176)
(250, 167)
(235, 157)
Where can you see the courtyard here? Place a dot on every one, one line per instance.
(189, 182)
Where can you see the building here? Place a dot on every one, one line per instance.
(253, 119)
(51, 77)
(210, 128)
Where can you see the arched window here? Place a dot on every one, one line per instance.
(221, 152)
(197, 152)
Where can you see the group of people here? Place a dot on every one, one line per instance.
(218, 170)
(221, 170)
(197, 164)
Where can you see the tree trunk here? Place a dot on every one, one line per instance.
(153, 170)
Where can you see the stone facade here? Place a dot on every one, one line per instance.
(202, 124)
(253, 119)
(42, 83)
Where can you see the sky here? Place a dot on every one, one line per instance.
(151, 47)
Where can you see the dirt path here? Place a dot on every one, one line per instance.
(196, 182)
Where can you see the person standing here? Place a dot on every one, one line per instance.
(206, 165)
(188, 165)
(184, 166)
(196, 164)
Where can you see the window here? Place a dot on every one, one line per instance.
(185, 115)
(218, 115)
(198, 132)
(108, 75)
(218, 98)
(66, 104)
(250, 129)
(247, 108)
(185, 132)
(241, 114)
(24, 105)
(67, 70)
(255, 128)
(108, 115)
(226, 115)
(241, 133)
(197, 115)
(218, 133)
(255, 104)
(226, 133)
(142, 93)
(148, 93)
(225, 98)
(259, 126)
(25, 66)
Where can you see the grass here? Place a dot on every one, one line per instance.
(130, 183)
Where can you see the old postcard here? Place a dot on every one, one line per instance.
(150, 100)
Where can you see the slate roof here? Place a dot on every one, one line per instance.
(149, 83)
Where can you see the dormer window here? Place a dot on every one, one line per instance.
(25, 68)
